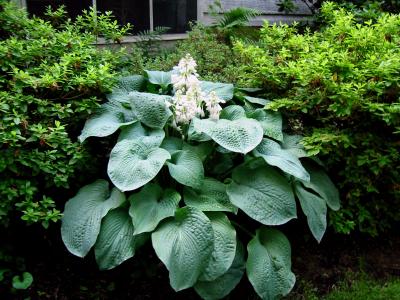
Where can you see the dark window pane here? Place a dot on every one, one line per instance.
(135, 12)
(175, 14)
(73, 7)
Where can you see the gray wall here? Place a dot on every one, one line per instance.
(268, 8)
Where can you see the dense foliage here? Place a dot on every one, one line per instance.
(51, 78)
(341, 87)
(193, 160)
(216, 60)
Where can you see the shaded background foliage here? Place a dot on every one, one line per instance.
(40, 158)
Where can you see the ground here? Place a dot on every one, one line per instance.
(319, 268)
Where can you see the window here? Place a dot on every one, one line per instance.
(142, 14)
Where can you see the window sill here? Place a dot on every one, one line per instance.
(134, 39)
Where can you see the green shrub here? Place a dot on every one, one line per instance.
(201, 169)
(216, 60)
(341, 88)
(51, 78)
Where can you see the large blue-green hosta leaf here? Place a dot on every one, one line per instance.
(270, 121)
(223, 285)
(116, 242)
(322, 184)
(184, 244)
(83, 214)
(106, 120)
(314, 208)
(233, 112)
(211, 196)
(241, 135)
(124, 86)
(132, 164)
(269, 264)
(224, 247)
(292, 144)
(223, 90)
(259, 101)
(152, 205)
(186, 168)
(274, 155)
(151, 109)
(263, 194)
(160, 78)
(140, 133)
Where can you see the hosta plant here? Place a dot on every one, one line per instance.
(192, 160)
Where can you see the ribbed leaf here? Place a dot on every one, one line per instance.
(223, 285)
(159, 77)
(151, 109)
(116, 242)
(292, 144)
(241, 135)
(211, 196)
(322, 184)
(233, 112)
(106, 120)
(263, 194)
(186, 168)
(224, 247)
(83, 214)
(139, 133)
(274, 155)
(269, 264)
(124, 86)
(132, 164)
(184, 244)
(314, 208)
(152, 205)
(270, 121)
(223, 90)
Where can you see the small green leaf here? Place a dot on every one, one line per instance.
(223, 90)
(106, 120)
(184, 244)
(223, 285)
(269, 264)
(139, 133)
(263, 194)
(160, 78)
(322, 184)
(274, 155)
(270, 121)
(241, 135)
(132, 164)
(314, 208)
(151, 109)
(22, 282)
(224, 247)
(211, 196)
(83, 214)
(152, 205)
(186, 168)
(116, 242)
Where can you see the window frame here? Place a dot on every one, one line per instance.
(170, 36)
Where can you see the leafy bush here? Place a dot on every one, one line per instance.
(215, 59)
(176, 141)
(341, 86)
(51, 78)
